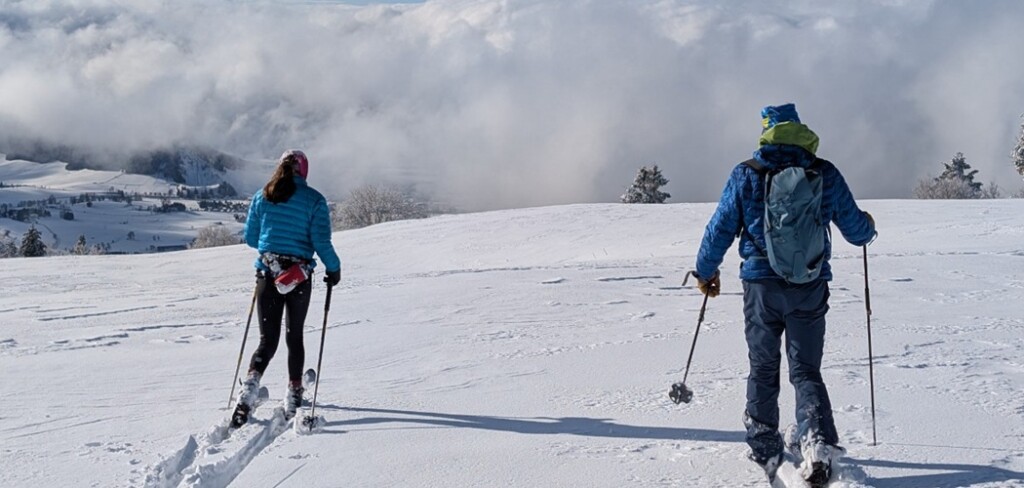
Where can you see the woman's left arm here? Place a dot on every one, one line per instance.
(320, 232)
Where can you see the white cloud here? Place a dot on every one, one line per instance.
(496, 103)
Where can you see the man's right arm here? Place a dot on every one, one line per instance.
(855, 224)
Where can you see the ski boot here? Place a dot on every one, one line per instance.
(293, 399)
(770, 466)
(247, 398)
(819, 462)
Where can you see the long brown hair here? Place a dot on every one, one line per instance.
(281, 186)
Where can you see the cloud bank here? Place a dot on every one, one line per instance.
(505, 103)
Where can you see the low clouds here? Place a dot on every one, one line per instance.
(502, 103)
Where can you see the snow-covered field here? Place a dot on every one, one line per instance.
(101, 222)
(526, 348)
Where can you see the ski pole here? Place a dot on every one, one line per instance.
(871, 359)
(245, 336)
(323, 334)
(679, 392)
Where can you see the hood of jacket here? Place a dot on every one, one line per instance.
(787, 144)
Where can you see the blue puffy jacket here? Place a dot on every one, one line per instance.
(742, 203)
(297, 227)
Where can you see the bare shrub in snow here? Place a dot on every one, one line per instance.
(944, 189)
(374, 204)
(991, 191)
(214, 236)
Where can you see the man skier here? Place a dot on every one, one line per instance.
(794, 300)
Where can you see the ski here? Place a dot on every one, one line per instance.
(790, 474)
(309, 378)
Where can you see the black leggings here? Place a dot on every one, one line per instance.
(271, 306)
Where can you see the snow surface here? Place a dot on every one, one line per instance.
(525, 348)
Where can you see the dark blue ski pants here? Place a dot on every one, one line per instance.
(773, 309)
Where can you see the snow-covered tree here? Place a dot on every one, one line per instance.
(645, 188)
(8, 246)
(32, 244)
(958, 169)
(955, 182)
(81, 247)
(1018, 152)
(375, 204)
(215, 235)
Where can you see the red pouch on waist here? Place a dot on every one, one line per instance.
(290, 278)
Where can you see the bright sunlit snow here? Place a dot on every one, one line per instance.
(526, 348)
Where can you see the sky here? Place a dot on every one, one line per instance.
(520, 348)
(486, 104)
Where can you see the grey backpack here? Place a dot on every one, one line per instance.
(794, 231)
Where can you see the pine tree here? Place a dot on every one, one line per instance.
(32, 245)
(958, 170)
(1018, 152)
(645, 188)
(80, 247)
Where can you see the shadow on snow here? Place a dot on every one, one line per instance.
(583, 426)
(946, 475)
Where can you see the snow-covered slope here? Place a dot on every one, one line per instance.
(520, 348)
(102, 222)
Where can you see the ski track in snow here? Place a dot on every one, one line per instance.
(11, 346)
(97, 314)
(219, 456)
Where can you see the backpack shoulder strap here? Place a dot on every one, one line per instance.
(754, 165)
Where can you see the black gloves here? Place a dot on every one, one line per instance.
(332, 277)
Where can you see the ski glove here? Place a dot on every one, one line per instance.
(712, 287)
(871, 222)
(332, 277)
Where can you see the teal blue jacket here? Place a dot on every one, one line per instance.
(297, 227)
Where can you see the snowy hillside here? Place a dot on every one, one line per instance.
(107, 219)
(519, 348)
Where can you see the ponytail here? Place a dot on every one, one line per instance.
(281, 186)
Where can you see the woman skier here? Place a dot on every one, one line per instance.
(288, 221)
